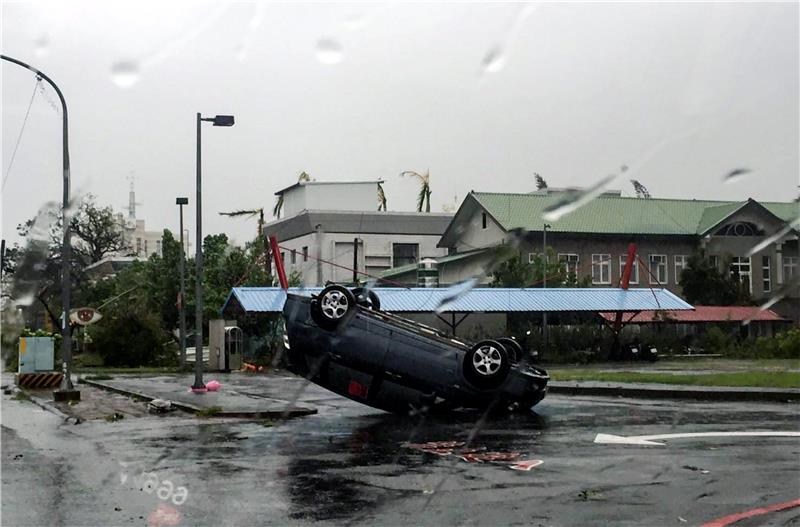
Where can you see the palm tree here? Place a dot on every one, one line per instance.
(262, 240)
(424, 196)
(303, 177)
(381, 198)
(540, 182)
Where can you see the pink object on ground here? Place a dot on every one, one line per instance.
(213, 386)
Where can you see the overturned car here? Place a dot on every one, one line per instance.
(341, 340)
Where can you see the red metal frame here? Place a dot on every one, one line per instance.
(276, 256)
(624, 281)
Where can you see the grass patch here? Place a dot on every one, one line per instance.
(21, 396)
(144, 369)
(267, 423)
(758, 379)
(101, 377)
(211, 411)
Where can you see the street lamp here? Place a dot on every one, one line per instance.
(181, 202)
(219, 120)
(67, 391)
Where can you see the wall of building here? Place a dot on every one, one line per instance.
(375, 254)
(615, 246)
(470, 232)
(330, 196)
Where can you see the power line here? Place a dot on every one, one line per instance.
(21, 130)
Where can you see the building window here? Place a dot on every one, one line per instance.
(681, 261)
(601, 268)
(766, 281)
(789, 268)
(570, 263)
(483, 220)
(658, 269)
(740, 269)
(305, 253)
(714, 261)
(623, 259)
(294, 256)
(404, 253)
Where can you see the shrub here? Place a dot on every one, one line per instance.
(132, 339)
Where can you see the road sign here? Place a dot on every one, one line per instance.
(84, 316)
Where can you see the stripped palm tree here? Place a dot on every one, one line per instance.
(261, 240)
(424, 196)
(303, 177)
(381, 198)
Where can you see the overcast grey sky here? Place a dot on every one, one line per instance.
(483, 95)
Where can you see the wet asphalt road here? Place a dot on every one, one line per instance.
(347, 465)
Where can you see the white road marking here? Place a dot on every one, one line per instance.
(651, 439)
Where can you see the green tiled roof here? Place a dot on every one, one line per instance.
(403, 269)
(619, 215)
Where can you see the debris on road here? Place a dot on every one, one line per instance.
(159, 406)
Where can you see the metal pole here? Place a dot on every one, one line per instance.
(67, 388)
(198, 258)
(355, 262)
(545, 331)
(183, 297)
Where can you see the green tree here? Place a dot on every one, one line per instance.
(515, 272)
(703, 284)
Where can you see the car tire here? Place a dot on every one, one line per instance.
(513, 349)
(486, 364)
(369, 300)
(331, 306)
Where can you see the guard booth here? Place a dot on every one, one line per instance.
(225, 345)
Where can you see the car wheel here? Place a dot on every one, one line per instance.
(331, 306)
(513, 349)
(486, 365)
(367, 298)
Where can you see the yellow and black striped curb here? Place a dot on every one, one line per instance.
(39, 380)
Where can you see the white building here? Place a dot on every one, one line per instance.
(326, 221)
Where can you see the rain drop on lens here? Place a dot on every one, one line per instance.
(41, 46)
(125, 73)
(494, 61)
(329, 51)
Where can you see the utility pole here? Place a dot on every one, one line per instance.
(355, 262)
(67, 391)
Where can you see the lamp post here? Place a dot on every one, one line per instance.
(181, 202)
(219, 120)
(67, 391)
(545, 332)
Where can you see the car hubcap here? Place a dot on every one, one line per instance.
(487, 360)
(334, 305)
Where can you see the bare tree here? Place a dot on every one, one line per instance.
(540, 182)
(641, 190)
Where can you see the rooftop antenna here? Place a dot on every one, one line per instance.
(132, 199)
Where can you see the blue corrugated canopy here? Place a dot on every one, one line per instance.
(485, 299)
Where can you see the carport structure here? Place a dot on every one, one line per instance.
(453, 308)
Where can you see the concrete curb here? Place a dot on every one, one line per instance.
(295, 411)
(708, 393)
(48, 405)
